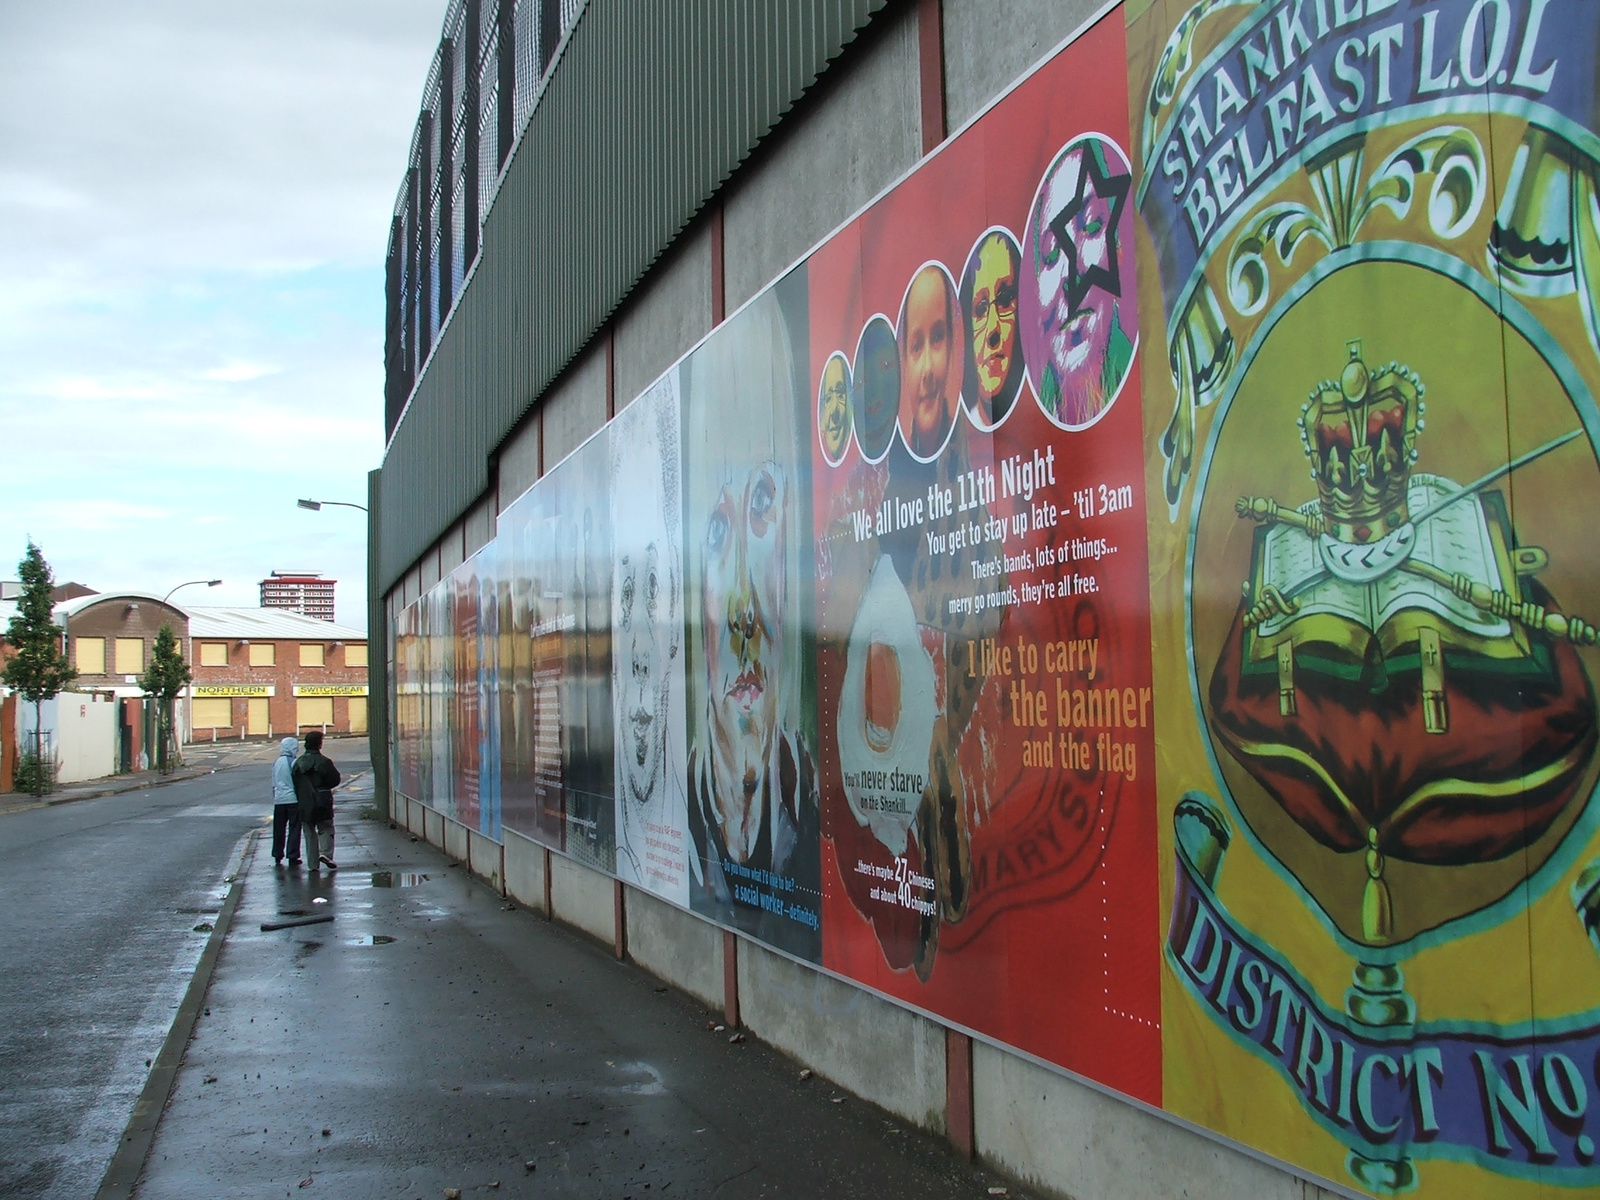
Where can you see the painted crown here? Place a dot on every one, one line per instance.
(1360, 434)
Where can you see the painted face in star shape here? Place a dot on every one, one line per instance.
(1076, 262)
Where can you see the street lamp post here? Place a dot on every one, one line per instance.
(169, 735)
(316, 505)
(208, 582)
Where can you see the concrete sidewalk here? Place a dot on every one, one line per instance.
(433, 1037)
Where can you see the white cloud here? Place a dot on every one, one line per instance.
(239, 372)
(194, 209)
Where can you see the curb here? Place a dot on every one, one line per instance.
(128, 1162)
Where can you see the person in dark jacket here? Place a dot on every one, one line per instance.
(315, 777)
(285, 805)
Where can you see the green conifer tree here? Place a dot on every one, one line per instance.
(165, 679)
(39, 670)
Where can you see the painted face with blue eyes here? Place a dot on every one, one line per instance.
(742, 590)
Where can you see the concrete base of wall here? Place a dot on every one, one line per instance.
(583, 898)
(1072, 1141)
(675, 946)
(879, 1051)
(1062, 1137)
(486, 860)
(455, 840)
(525, 871)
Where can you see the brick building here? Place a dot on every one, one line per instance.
(260, 672)
(110, 639)
(111, 636)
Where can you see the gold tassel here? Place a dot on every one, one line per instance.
(1377, 909)
(1286, 701)
(1435, 713)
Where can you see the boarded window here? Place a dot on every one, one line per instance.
(310, 654)
(355, 656)
(263, 654)
(130, 656)
(213, 654)
(91, 656)
(358, 714)
(314, 710)
(211, 712)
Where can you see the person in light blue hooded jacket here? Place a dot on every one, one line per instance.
(285, 805)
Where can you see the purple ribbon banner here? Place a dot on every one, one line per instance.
(1304, 74)
(1515, 1100)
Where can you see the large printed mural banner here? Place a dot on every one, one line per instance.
(752, 775)
(1127, 593)
(1368, 294)
(985, 716)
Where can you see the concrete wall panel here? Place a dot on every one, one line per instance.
(484, 859)
(861, 134)
(575, 407)
(1067, 1139)
(666, 315)
(525, 871)
(451, 549)
(433, 822)
(675, 946)
(583, 898)
(455, 840)
(989, 43)
(480, 525)
(878, 1050)
(519, 462)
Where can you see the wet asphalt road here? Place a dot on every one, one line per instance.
(98, 903)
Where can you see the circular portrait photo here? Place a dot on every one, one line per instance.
(875, 388)
(930, 362)
(1079, 331)
(989, 317)
(833, 409)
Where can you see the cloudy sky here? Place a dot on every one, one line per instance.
(194, 208)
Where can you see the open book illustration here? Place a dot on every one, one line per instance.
(1454, 539)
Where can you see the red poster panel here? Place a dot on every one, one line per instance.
(985, 746)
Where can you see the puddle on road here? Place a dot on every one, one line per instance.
(398, 878)
(376, 939)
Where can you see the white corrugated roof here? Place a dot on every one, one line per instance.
(220, 622)
(68, 608)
